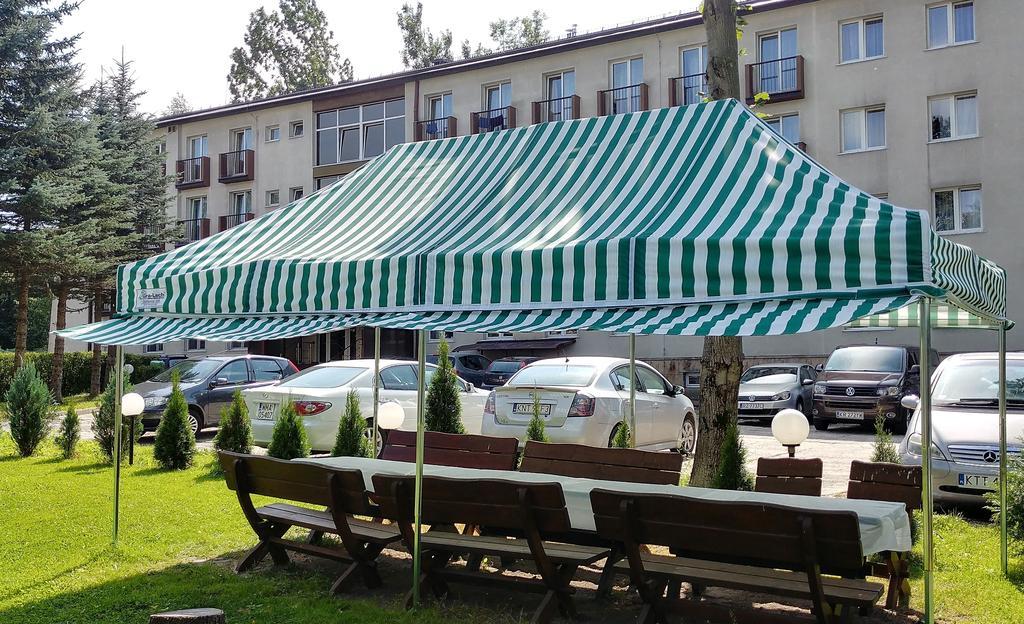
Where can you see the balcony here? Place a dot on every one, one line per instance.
(440, 128)
(195, 229)
(492, 120)
(557, 109)
(628, 99)
(227, 222)
(237, 166)
(686, 90)
(782, 79)
(192, 173)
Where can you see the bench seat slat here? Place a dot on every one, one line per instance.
(322, 521)
(513, 548)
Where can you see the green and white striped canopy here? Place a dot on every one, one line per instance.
(942, 315)
(700, 209)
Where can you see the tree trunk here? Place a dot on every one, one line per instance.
(96, 367)
(721, 363)
(21, 320)
(57, 363)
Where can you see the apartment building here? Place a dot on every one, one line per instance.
(910, 100)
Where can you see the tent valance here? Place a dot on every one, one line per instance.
(942, 316)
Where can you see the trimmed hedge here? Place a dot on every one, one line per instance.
(77, 369)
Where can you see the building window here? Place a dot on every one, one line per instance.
(273, 198)
(560, 87)
(197, 146)
(863, 129)
(563, 332)
(440, 106)
(777, 68)
(693, 63)
(626, 76)
(787, 126)
(953, 116)
(499, 334)
(295, 129)
(957, 210)
(154, 348)
(497, 96)
(161, 147)
(861, 39)
(195, 345)
(295, 193)
(273, 133)
(436, 335)
(241, 202)
(325, 181)
(359, 132)
(196, 208)
(950, 23)
(234, 345)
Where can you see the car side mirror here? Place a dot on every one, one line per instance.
(220, 381)
(915, 369)
(677, 390)
(819, 367)
(470, 387)
(807, 382)
(910, 401)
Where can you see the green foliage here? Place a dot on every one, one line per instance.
(28, 409)
(351, 440)
(520, 32)
(732, 469)
(175, 445)
(103, 424)
(38, 320)
(69, 434)
(142, 368)
(420, 48)
(1014, 502)
(179, 105)
(444, 407)
(289, 439)
(623, 437)
(535, 430)
(76, 369)
(235, 432)
(883, 450)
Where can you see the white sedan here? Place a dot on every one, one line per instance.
(583, 401)
(319, 395)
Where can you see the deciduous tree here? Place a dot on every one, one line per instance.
(520, 32)
(420, 47)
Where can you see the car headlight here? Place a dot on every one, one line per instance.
(819, 388)
(155, 401)
(893, 391)
(914, 446)
(782, 396)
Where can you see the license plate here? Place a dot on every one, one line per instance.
(979, 482)
(850, 415)
(527, 408)
(266, 411)
(753, 406)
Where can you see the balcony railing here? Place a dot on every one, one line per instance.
(557, 109)
(686, 90)
(628, 99)
(494, 119)
(193, 172)
(782, 79)
(440, 128)
(237, 166)
(229, 221)
(195, 229)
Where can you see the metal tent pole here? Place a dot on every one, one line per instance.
(421, 340)
(1003, 555)
(118, 393)
(632, 390)
(376, 388)
(327, 347)
(924, 322)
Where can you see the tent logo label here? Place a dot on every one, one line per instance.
(150, 298)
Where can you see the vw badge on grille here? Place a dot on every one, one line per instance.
(850, 391)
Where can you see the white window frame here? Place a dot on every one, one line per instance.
(702, 52)
(954, 135)
(950, 24)
(361, 126)
(271, 202)
(156, 347)
(779, 117)
(325, 181)
(231, 202)
(236, 345)
(435, 335)
(563, 332)
(440, 97)
(864, 110)
(268, 134)
(291, 193)
(200, 345)
(298, 123)
(501, 84)
(956, 190)
(862, 39)
(499, 334)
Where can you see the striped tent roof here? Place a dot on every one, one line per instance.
(942, 315)
(675, 208)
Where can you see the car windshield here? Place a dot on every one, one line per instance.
(871, 359)
(505, 366)
(323, 377)
(978, 382)
(573, 375)
(190, 370)
(769, 375)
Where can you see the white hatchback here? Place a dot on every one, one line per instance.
(319, 395)
(583, 401)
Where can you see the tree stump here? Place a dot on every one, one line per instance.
(189, 616)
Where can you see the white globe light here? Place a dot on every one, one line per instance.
(390, 415)
(132, 404)
(790, 427)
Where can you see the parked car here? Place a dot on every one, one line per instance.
(501, 370)
(583, 401)
(319, 394)
(767, 388)
(965, 425)
(167, 361)
(859, 383)
(208, 385)
(470, 367)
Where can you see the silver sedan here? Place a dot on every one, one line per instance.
(767, 388)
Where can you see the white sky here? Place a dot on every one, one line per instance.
(183, 45)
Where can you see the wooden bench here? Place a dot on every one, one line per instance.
(753, 547)
(895, 483)
(457, 450)
(789, 475)
(535, 510)
(343, 492)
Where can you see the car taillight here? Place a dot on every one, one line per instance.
(309, 408)
(489, 405)
(582, 405)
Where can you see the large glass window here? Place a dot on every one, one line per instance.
(498, 96)
(241, 202)
(863, 129)
(440, 106)
(560, 89)
(777, 55)
(359, 132)
(953, 116)
(950, 23)
(786, 126)
(694, 64)
(626, 76)
(957, 210)
(861, 39)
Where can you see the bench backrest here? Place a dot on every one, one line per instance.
(493, 503)
(294, 481)
(449, 449)
(789, 475)
(610, 464)
(760, 534)
(886, 482)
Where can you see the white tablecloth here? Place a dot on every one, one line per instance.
(883, 526)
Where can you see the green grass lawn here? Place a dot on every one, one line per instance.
(181, 530)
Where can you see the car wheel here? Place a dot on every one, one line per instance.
(821, 425)
(687, 441)
(195, 421)
(800, 406)
(611, 436)
(378, 443)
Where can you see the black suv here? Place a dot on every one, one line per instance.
(208, 385)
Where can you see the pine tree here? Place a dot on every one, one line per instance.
(351, 440)
(732, 472)
(444, 406)
(103, 424)
(883, 450)
(70, 432)
(179, 105)
(289, 439)
(622, 438)
(175, 444)
(535, 430)
(28, 409)
(235, 432)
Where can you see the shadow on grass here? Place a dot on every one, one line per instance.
(83, 468)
